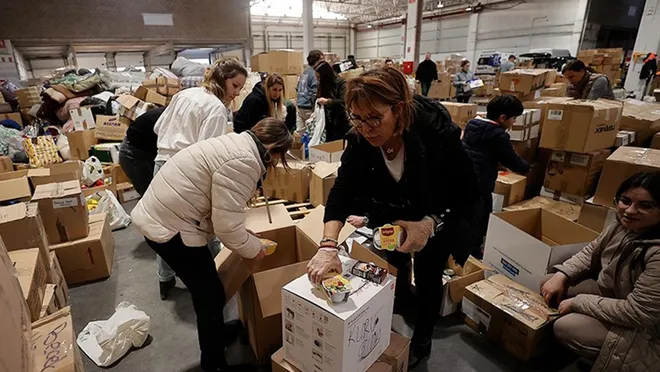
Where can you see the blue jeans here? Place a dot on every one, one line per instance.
(163, 270)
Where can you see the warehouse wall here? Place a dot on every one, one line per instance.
(201, 20)
(381, 42)
(328, 36)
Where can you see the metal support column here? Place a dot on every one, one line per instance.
(413, 32)
(308, 27)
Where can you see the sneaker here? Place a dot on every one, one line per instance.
(419, 352)
(165, 288)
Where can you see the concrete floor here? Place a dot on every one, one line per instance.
(173, 345)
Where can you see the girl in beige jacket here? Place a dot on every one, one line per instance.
(200, 192)
(612, 313)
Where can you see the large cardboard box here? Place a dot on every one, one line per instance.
(623, 163)
(525, 244)
(523, 81)
(28, 97)
(54, 344)
(329, 152)
(14, 186)
(581, 126)
(259, 62)
(655, 142)
(150, 96)
(526, 149)
(454, 287)
(291, 185)
(290, 85)
(642, 118)
(343, 337)
(57, 279)
(527, 125)
(80, 142)
(6, 165)
(461, 113)
(625, 138)
(89, 258)
(567, 210)
(15, 116)
(285, 62)
(132, 107)
(440, 89)
(323, 178)
(574, 174)
(63, 210)
(260, 282)
(16, 348)
(32, 277)
(509, 314)
(596, 217)
(83, 119)
(511, 186)
(59, 172)
(165, 86)
(396, 355)
(112, 128)
(279, 363)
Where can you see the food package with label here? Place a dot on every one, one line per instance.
(389, 237)
(335, 287)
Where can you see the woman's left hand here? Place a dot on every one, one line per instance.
(322, 101)
(417, 234)
(566, 306)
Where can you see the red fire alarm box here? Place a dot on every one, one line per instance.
(408, 68)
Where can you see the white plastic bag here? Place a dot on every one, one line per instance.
(316, 126)
(105, 341)
(92, 171)
(108, 203)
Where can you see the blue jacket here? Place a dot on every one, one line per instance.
(307, 89)
(488, 144)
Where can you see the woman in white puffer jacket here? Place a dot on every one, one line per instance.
(200, 192)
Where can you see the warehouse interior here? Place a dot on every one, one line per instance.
(78, 266)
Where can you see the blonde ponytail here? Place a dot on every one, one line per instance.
(217, 74)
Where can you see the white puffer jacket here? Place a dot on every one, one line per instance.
(202, 191)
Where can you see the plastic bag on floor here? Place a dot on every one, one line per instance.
(92, 171)
(106, 202)
(105, 341)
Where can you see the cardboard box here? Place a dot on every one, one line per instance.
(83, 119)
(526, 149)
(550, 77)
(596, 217)
(509, 314)
(330, 152)
(49, 304)
(567, 210)
(63, 210)
(581, 126)
(623, 163)
(344, 337)
(454, 288)
(574, 174)
(624, 138)
(54, 344)
(59, 172)
(14, 185)
(461, 113)
(89, 258)
(259, 62)
(655, 142)
(526, 126)
(511, 186)
(6, 165)
(285, 62)
(165, 86)
(16, 348)
(525, 244)
(132, 107)
(80, 142)
(58, 280)
(642, 118)
(323, 178)
(150, 96)
(32, 277)
(396, 355)
(523, 81)
(440, 89)
(260, 282)
(290, 85)
(28, 97)
(15, 116)
(279, 363)
(112, 128)
(292, 185)
(126, 192)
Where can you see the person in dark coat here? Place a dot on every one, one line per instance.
(330, 93)
(259, 104)
(649, 69)
(404, 164)
(137, 153)
(488, 144)
(427, 73)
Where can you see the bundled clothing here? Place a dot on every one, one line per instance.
(592, 86)
(625, 310)
(336, 118)
(366, 185)
(255, 107)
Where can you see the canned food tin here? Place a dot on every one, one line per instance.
(389, 237)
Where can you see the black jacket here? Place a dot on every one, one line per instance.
(140, 135)
(649, 69)
(438, 175)
(488, 145)
(427, 71)
(336, 118)
(255, 108)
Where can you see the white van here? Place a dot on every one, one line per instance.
(489, 62)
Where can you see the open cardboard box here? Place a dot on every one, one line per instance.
(60, 172)
(453, 290)
(14, 186)
(260, 282)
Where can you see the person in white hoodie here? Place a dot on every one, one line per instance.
(194, 115)
(200, 192)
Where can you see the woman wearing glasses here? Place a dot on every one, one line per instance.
(612, 313)
(404, 164)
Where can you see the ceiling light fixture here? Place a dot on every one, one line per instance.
(369, 26)
(468, 9)
(440, 5)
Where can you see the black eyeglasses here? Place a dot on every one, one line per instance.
(371, 122)
(642, 206)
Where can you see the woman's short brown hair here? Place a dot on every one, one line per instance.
(276, 138)
(218, 73)
(464, 62)
(387, 86)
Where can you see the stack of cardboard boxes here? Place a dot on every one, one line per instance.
(605, 61)
(441, 88)
(287, 63)
(524, 84)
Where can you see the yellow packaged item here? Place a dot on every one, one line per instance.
(270, 246)
(389, 237)
(335, 287)
(41, 151)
